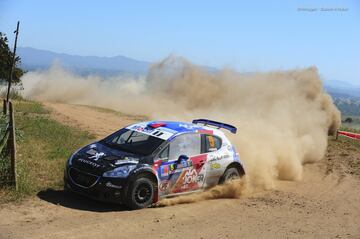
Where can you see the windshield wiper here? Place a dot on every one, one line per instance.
(119, 147)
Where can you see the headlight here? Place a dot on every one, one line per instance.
(120, 172)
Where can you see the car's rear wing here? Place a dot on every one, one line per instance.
(219, 125)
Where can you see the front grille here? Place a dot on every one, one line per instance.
(82, 179)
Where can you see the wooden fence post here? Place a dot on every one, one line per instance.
(13, 62)
(5, 108)
(12, 144)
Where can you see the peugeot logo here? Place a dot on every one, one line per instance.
(95, 165)
(97, 156)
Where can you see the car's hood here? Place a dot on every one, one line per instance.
(97, 158)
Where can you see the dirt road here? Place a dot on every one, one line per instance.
(99, 121)
(326, 204)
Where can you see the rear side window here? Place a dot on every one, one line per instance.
(212, 143)
(186, 144)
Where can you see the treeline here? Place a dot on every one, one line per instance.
(6, 57)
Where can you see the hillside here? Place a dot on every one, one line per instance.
(33, 59)
(348, 105)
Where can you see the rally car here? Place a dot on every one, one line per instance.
(141, 163)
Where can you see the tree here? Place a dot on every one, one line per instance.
(6, 61)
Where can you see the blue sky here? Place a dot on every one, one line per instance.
(256, 35)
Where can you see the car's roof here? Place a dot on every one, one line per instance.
(169, 129)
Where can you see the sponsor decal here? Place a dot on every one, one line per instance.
(143, 129)
(159, 133)
(199, 159)
(216, 157)
(187, 180)
(215, 166)
(93, 164)
(110, 185)
(172, 168)
(167, 130)
(164, 185)
(191, 176)
(156, 165)
(205, 131)
(126, 160)
(139, 169)
(185, 164)
(164, 170)
(189, 126)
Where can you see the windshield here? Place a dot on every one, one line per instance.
(133, 142)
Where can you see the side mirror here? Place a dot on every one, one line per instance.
(181, 158)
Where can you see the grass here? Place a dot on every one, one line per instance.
(42, 150)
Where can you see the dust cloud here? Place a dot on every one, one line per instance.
(283, 117)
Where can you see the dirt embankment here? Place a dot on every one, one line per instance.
(325, 204)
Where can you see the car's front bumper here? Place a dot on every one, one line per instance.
(104, 189)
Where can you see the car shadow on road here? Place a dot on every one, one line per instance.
(74, 201)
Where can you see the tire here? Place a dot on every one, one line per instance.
(141, 193)
(229, 175)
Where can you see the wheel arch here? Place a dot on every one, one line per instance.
(235, 165)
(145, 172)
(238, 166)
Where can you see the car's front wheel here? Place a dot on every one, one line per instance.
(141, 193)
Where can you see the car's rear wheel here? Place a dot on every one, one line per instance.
(141, 193)
(230, 174)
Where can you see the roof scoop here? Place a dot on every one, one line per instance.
(155, 125)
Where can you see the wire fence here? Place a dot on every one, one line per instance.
(7, 146)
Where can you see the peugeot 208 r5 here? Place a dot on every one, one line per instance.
(141, 163)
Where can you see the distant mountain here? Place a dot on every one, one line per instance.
(348, 105)
(33, 59)
(341, 87)
(346, 96)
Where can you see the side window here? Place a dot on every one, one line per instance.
(164, 155)
(186, 144)
(212, 143)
